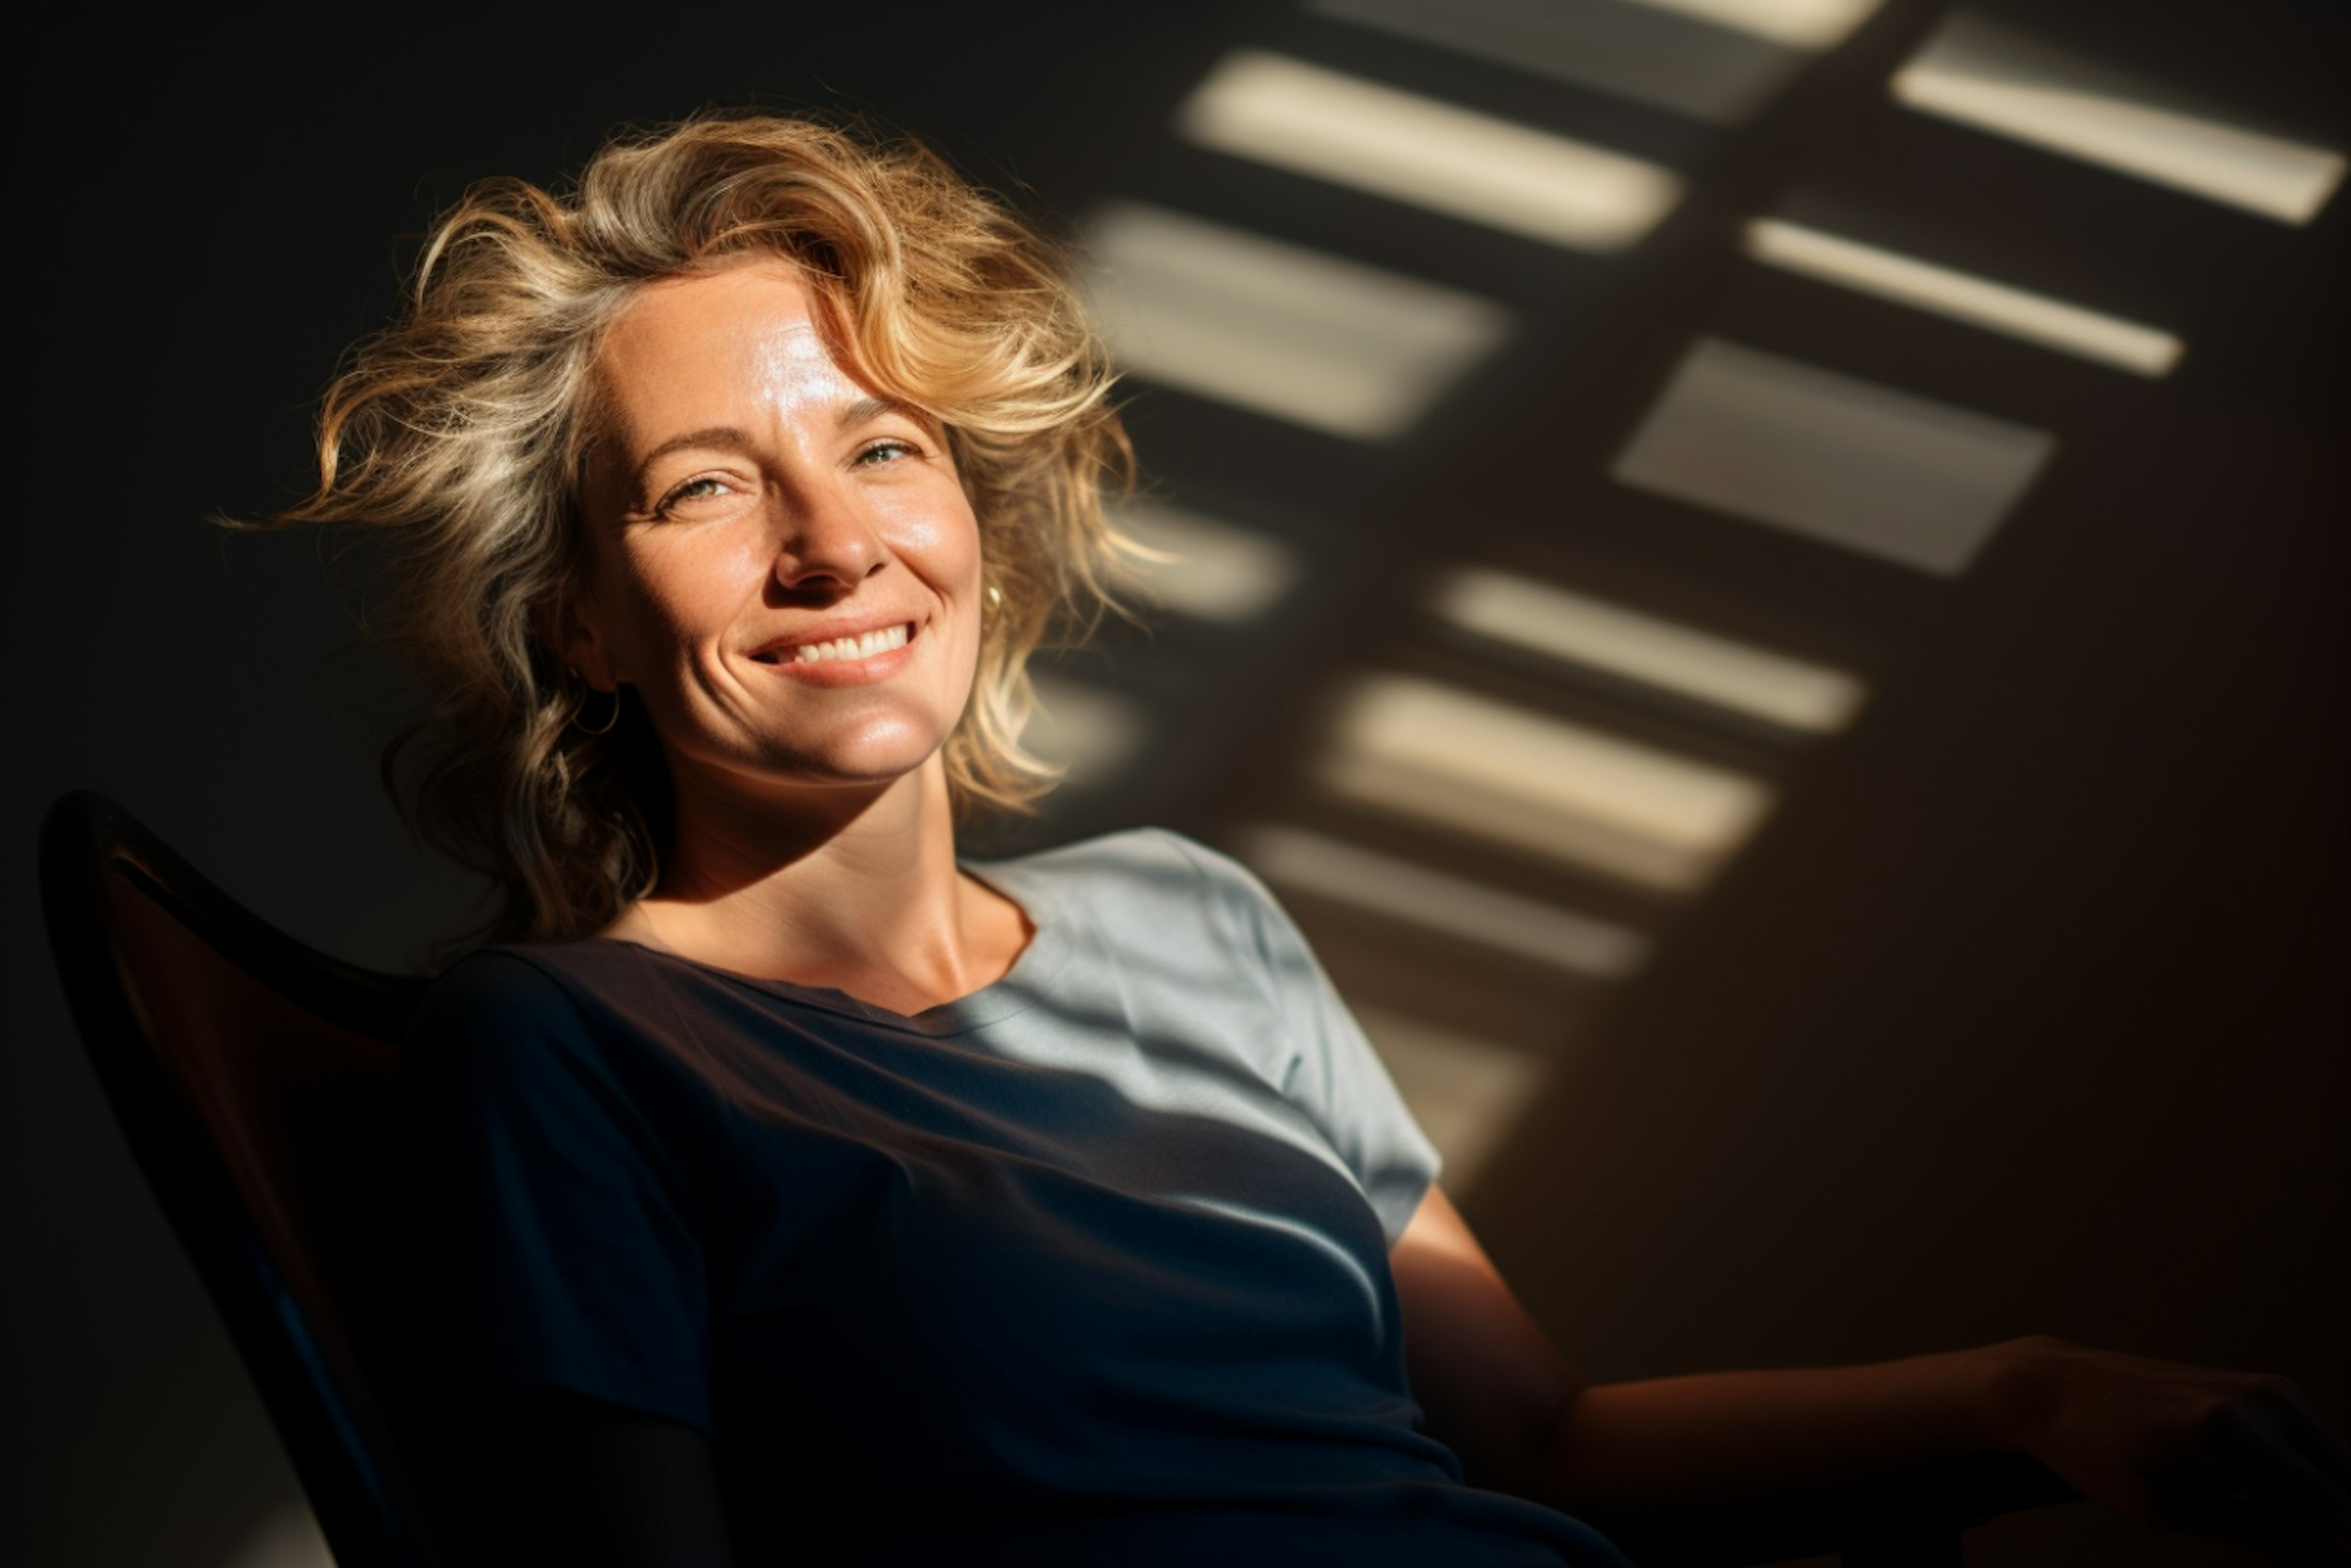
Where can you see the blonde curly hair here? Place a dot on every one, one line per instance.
(458, 435)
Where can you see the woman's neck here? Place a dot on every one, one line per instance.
(853, 890)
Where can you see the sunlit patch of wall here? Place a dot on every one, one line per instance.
(1426, 721)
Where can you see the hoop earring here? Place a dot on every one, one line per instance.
(606, 728)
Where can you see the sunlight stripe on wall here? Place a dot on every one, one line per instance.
(1415, 894)
(1350, 132)
(1494, 771)
(1962, 297)
(1577, 629)
(1995, 79)
(1326, 342)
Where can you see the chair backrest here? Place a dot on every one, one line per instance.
(252, 1076)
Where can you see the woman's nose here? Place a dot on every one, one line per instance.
(827, 542)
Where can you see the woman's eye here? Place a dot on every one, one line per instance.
(888, 450)
(694, 490)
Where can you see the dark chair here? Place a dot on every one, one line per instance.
(252, 1076)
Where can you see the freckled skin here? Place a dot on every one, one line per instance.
(728, 506)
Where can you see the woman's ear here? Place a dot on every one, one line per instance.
(572, 630)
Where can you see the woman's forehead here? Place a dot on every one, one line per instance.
(748, 341)
(751, 317)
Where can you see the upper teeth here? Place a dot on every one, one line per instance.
(852, 647)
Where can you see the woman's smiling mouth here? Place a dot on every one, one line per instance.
(850, 659)
(862, 646)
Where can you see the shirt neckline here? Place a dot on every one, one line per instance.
(1018, 989)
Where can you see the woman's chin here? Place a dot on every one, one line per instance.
(874, 768)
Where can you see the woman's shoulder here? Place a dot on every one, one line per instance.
(546, 1001)
(521, 978)
(1127, 854)
(1195, 908)
(1137, 872)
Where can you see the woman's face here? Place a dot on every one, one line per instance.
(782, 563)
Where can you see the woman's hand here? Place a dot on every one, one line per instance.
(2232, 1454)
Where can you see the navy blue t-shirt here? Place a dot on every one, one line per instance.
(1090, 1265)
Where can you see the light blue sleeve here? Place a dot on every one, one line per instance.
(1333, 1073)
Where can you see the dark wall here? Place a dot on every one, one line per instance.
(2026, 1016)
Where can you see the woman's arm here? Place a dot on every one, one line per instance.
(2223, 1452)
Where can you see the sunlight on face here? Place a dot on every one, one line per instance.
(781, 563)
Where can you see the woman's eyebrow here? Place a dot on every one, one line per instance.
(712, 436)
(866, 409)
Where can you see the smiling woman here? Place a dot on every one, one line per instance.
(784, 568)
(495, 436)
(789, 1190)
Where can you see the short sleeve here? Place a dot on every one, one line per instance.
(556, 1234)
(1334, 1077)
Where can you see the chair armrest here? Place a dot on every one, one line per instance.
(1908, 1516)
